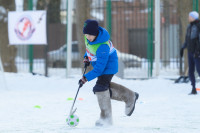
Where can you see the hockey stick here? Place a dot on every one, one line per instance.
(80, 85)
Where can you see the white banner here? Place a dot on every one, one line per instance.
(27, 27)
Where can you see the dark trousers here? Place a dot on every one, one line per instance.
(192, 61)
(103, 83)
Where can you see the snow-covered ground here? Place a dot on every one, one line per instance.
(163, 107)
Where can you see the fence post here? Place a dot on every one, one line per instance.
(157, 37)
(46, 49)
(69, 36)
(195, 5)
(150, 38)
(30, 47)
(66, 34)
(109, 17)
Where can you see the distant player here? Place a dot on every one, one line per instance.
(192, 42)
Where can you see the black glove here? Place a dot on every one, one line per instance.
(86, 61)
(82, 81)
(181, 52)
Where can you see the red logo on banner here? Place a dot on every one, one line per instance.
(24, 28)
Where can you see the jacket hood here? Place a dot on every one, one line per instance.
(103, 36)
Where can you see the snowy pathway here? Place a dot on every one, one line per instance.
(35, 104)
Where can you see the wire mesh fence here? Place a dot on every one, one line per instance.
(170, 42)
(128, 26)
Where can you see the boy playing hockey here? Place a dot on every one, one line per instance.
(103, 57)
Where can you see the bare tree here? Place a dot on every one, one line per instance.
(53, 11)
(25, 5)
(7, 52)
(184, 7)
(82, 13)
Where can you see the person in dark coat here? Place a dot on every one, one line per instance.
(192, 43)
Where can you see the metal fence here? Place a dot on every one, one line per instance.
(128, 22)
(170, 42)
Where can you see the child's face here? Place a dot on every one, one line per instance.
(90, 37)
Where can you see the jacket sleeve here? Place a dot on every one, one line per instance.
(194, 35)
(85, 55)
(102, 59)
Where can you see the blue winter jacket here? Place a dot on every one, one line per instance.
(106, 63)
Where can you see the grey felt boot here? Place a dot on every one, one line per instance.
(122, 93)
(105, 107)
